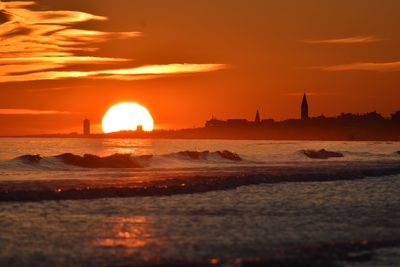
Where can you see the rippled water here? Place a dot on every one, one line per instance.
(339, 222)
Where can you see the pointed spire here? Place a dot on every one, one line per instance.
(304, 98)
(304, 108)
(257, 120)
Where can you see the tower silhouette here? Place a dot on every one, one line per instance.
(257, 120)
(86, 127)
(304, 108)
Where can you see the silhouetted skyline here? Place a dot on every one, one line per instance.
(369, 117)
(345, 126)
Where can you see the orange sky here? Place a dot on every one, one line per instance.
(63, 61)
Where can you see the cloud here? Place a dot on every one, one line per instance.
(39, 45)
(140, 73)
(27, 32)
(362, 66)
(347, 40)
(159, 69)
(31, 112)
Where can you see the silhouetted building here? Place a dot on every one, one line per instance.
(139, 128)
(237, 122)
(228, 123)
(304, 108)
(369, 117)
(215, 122)
(396, 116)
(257, 120)
(86, 127)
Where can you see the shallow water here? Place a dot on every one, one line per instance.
(339, 222)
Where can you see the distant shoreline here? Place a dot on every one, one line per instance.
(198, 134)
(345, 127)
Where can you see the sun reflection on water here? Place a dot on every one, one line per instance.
(128, 146)
(128, 233)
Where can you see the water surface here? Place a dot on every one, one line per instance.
(337, 222)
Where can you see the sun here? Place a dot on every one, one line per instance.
(127, 116)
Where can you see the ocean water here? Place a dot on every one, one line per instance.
(274, 207)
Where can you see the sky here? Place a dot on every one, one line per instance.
(186, 61)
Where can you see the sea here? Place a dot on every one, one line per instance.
(198, 203)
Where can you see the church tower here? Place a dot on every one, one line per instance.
(304, 108)
(257, 120)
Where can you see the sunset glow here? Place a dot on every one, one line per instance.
(56, 56)
(199, 133)
(127, 117)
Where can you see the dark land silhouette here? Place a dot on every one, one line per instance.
(351, 127)
(346, 126)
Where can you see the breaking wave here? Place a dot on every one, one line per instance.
(321, 154)
(88, 176)
(125, 160)
(327, 154)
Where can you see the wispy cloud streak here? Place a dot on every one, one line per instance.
(362, 66)
(38, 45)
(27, 33)
(347, 40)
(140, 73)
(31, 112)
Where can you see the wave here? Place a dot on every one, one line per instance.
(113, 161)
(206, 155)
(125, 160)
(326, 154)
(181, 159)
(192, 182)
(321, 154)
(177, 160)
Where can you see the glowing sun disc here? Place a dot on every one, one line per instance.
(127, 116)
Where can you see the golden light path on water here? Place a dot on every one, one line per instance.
(127, 232)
